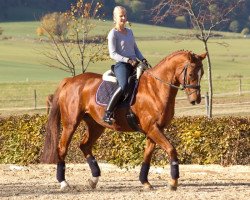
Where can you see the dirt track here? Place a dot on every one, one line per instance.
(196, 182)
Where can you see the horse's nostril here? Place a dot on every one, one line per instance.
(192, 102)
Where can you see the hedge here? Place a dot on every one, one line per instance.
(198, 140)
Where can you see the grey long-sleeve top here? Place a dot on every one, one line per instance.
(123, 46)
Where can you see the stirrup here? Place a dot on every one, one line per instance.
(108, 117)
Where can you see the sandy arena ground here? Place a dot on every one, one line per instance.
(196, 182)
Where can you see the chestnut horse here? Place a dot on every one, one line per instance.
(154, 103)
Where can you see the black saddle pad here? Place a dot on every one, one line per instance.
(106, 90)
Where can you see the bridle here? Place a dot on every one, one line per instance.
(183, 85)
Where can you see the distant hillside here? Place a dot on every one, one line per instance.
(30, 10)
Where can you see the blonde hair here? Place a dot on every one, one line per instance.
(118, 8)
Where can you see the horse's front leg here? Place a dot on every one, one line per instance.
(148, 152)
(159, 138)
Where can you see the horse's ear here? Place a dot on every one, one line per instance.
(190, 56)
(203, 56)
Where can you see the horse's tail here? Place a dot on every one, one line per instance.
(50, 153)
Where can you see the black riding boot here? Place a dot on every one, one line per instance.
(111, 105)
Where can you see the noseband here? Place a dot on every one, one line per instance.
(183, 85)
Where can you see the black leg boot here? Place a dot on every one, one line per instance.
(111, 106)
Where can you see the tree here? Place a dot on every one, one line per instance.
(204, 16)
(137, 8)
(69, 36)
(245, 31)
(234, 26)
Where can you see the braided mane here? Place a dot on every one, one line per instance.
(174, 54)
(177, 52)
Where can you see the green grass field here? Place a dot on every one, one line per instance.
(20, 59)
(22, 71)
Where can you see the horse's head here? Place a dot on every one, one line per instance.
(189, 76)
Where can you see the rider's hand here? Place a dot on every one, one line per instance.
(134, 63)
(146, 64)
(145, 61)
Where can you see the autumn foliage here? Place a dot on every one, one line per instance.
(199, 140)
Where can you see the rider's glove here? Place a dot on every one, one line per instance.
(145, 61)
(134, 63)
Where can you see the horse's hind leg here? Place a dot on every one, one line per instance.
(69, 127)
(93, 132)
(148, 152)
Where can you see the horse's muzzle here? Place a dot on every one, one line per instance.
(195, 100)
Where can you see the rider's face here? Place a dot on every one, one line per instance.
(120, 17)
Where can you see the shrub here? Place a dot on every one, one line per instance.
(55, 23)
(245, 31)
(213, 141)
(198, 140)
(180, 22)
(234, 26)
(40, 31)
(21, 139)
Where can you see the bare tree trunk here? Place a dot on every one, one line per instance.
(210, 85)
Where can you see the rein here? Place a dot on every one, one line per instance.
(183, 86)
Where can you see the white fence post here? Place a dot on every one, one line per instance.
(35, 98)
(240, 89)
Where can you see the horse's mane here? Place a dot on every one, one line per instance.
(174, 54)
(178, 52)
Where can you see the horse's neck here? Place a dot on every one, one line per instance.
(160, 78)
(153, 91)
(163, 75)
(165, 71)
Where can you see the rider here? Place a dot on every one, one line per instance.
(123, 49)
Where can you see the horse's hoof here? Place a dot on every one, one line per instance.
(92, 184)
(64, 186)
(172, 187)
(147, 186)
